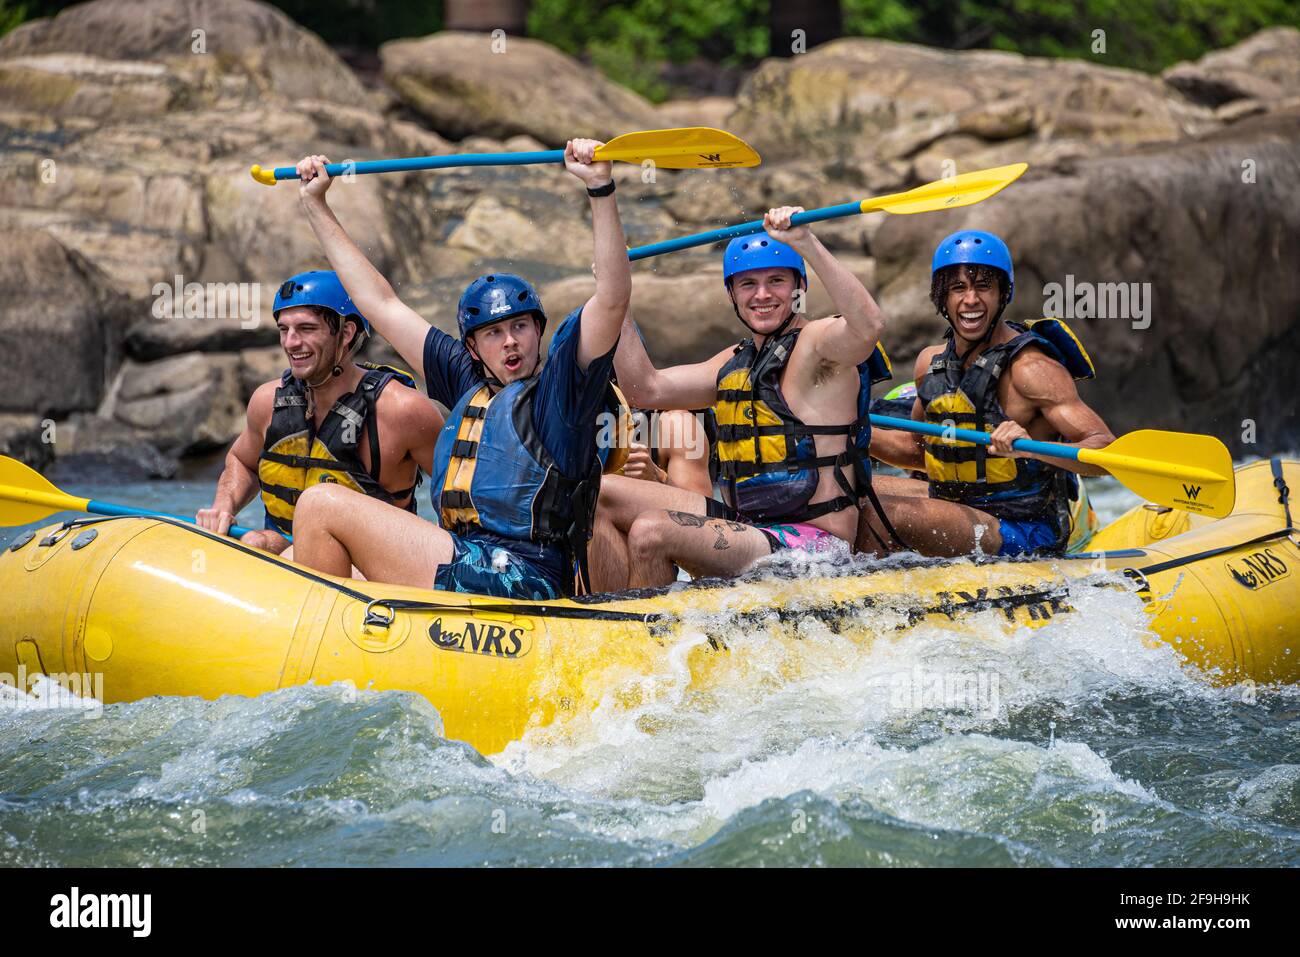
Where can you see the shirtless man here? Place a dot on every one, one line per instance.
(327, 419)
(1013, 381)
(786, 404)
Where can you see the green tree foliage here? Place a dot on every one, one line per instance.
(1144, 34)
(629, 39)
(11, 14)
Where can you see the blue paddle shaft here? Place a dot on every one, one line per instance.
(740, 229)
(108, 508)
(979, 438)
(432, 162)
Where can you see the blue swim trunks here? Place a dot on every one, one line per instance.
(484, 567)
(1023, 538)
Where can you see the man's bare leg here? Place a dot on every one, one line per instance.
(622, 499)
(927, 525)
(607, 556)
(660, 539)
(287, 555)
(335, 528)
(900, 485)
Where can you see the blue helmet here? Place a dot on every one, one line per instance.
(494, 297)
(759, 251)
(320, 287)
(975, 246)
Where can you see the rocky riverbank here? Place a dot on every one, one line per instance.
(127, 128)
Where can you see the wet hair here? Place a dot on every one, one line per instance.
(942, 279)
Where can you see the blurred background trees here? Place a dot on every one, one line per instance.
(663, 46)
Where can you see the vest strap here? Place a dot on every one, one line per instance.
(455, 503)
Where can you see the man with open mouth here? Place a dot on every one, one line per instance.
(516, 470)
(1012, 380)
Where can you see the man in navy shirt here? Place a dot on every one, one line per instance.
(516, 470)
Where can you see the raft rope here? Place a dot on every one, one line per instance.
(374, 618)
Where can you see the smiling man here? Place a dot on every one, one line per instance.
(327, 419)
(785, 400)
(1012, 380)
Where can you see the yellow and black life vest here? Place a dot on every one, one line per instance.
(296, 455)
(967, 398)
(765, 458)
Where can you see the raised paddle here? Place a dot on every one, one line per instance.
(1177, 469)
(26, 496)
(690, 147)
(964, 190)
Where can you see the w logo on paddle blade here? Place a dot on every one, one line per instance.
(711, 157)
(1192, 491)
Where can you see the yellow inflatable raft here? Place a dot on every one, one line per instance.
(162, 608)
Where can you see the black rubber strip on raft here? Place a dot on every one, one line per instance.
(1210, 553)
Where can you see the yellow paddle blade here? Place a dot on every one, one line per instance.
(1175, 469)
(964, 190)
(690, 147)
(26, 496)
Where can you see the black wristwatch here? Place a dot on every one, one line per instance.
(601, 190)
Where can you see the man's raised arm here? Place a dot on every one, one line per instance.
(848, 338)
(603, 314)
(402, 326)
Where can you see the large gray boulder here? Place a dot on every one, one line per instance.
(1265, 67)
(460, 86)
(253, 42)
(883, 100)
(57, 332)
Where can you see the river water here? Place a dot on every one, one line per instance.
(1079, 746)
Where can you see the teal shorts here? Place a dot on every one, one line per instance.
(484, 567)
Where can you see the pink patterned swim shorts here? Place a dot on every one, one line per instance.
(801, 536)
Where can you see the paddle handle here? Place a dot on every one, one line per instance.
(979, 438)
(417, 162)
(741, 229)
(108, 508)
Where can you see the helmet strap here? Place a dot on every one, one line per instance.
(337, 369)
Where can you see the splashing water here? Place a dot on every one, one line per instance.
(1080, 742)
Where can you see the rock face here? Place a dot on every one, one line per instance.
(186, 403)
(460, 86)
(26, 438)
(127, 137)
(883, 101)
(53, 325)
(251, 41)
(1264, 67)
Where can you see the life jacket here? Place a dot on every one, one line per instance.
(295, 454)
(765, 458)
(1007, 488)
(491, 471)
